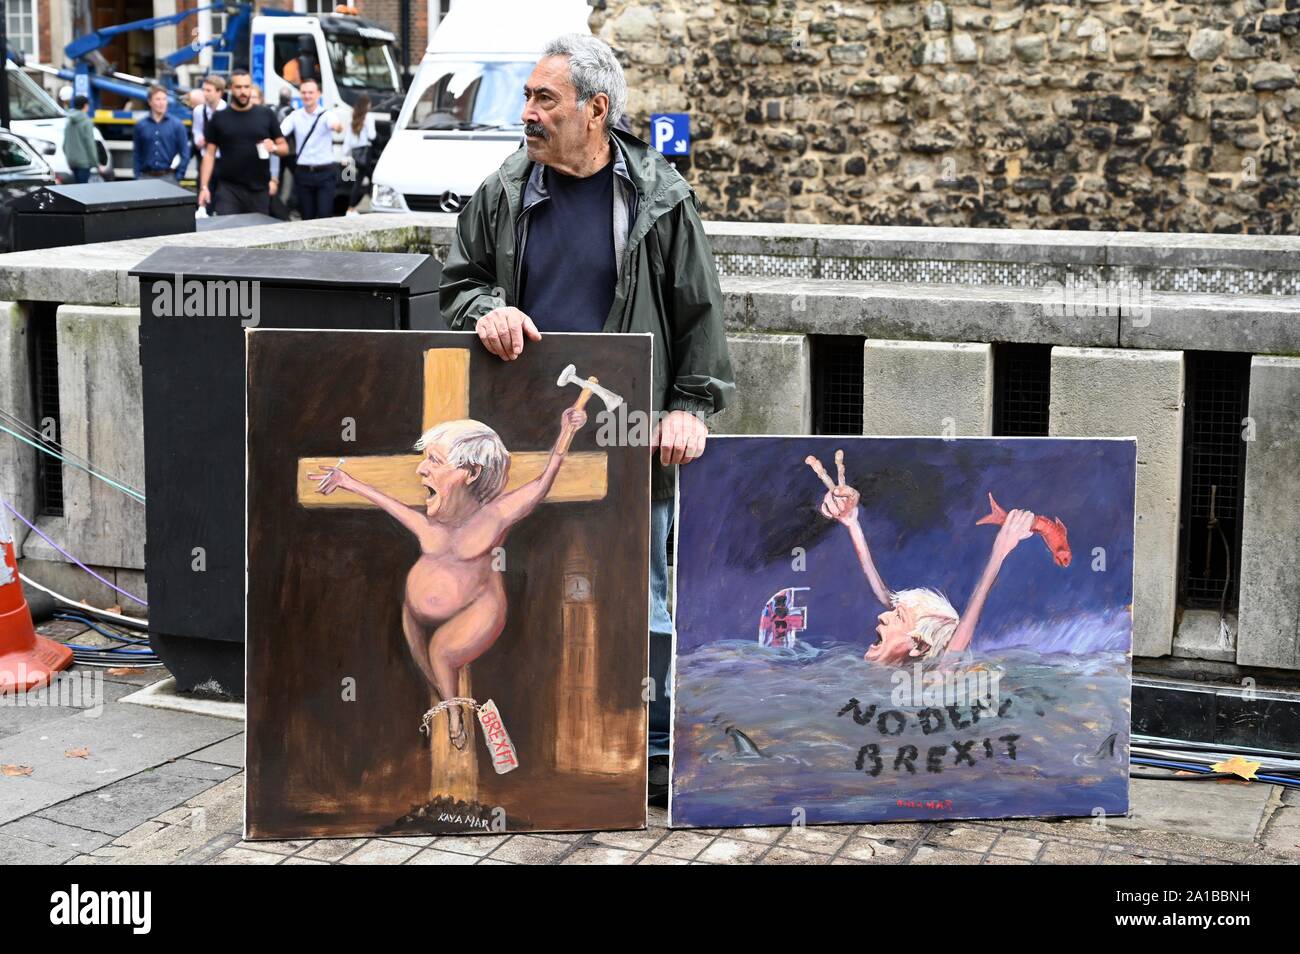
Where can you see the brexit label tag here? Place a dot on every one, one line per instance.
(500, 748)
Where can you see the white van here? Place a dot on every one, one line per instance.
(461, 115)
(34, 115)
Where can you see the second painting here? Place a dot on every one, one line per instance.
(888, 629)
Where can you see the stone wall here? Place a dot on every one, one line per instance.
(1084, 114)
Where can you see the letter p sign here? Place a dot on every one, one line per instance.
(670, 133)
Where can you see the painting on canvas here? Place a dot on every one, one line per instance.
(879, 629)
(447, 585)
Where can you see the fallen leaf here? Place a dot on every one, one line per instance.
(1237, 765)
(80, 753)
(15, 771)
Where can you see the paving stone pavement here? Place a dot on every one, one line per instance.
(185, 806)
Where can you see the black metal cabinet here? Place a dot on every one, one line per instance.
(194, 307)
(54, 216)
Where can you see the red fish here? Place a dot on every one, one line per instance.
(1052, 531)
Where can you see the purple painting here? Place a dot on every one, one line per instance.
(887, 629)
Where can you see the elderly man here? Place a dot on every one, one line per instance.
(586, 228)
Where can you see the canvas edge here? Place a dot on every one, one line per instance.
(1132, 628)
(672, 658)
(248, 343)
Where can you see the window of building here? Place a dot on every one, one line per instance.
(20, 25)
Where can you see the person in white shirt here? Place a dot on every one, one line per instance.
(359, 150)
(315, 176)
(214, 89)
(213, 99)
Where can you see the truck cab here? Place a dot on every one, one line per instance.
(461, 117)
(345, 54)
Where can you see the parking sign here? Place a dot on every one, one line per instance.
(670, 133)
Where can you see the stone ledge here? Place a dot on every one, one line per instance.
(1134, 249)
(97, 274)
(1258, 325)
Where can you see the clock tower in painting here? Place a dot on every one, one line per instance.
(587, 741)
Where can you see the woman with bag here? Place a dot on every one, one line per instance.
(358, 148)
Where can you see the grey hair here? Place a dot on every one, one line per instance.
(936, 620)
(593, 69)
(472, 444)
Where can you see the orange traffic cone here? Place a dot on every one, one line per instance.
(27, 661)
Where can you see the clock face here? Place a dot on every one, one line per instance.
(577, 588)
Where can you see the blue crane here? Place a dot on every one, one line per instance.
(90, 83)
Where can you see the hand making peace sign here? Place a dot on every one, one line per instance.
(841, 500)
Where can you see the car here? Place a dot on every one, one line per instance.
(34, 115)
(22, 170)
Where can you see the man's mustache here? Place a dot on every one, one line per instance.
(535, 129)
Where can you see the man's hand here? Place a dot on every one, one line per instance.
(269, 146)
(680, 437)
(503, 330)
(1018, 526)
(205, 197)
(273, 186)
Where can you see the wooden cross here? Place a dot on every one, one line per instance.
(584, 476)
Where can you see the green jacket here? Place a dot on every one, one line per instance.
(79, 141)
(667, 281)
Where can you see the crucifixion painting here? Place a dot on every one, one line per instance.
(493, 520)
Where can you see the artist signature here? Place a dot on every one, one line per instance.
(938, 804)
(469, 820)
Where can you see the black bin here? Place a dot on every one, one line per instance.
(54, 216)
(193, 371)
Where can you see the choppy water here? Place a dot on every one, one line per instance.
(1063, 707)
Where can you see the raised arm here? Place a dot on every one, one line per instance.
(841, 503)
(868, 565)
(334, 478)
(490, 525)
(1016, 528)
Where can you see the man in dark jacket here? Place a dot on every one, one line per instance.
(586, 228)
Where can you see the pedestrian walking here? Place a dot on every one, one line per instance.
(315, 175)
(246, 136)
(161, 143)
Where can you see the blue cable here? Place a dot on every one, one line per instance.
(109, 649)
(1205, 770)
(121, 637)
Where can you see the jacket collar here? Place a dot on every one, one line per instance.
(657, 186)
(535, 187)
